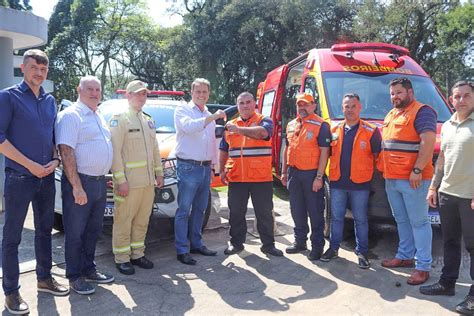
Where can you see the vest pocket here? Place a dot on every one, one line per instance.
(258, 169)
(398, 165)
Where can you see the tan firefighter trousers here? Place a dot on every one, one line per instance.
(131, 217)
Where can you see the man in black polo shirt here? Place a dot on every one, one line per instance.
(27, 115)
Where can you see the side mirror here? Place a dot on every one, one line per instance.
(220, 131)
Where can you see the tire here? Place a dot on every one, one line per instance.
(207, 213)
(58, 222)
(327, 210)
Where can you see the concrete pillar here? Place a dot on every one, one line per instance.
(6, 80)
(6, 62)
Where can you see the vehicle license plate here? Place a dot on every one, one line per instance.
(434, 219)
(109, 211)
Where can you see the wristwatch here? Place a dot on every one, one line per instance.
(416, 170)
(319, 176)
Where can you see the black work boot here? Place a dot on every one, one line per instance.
(296, 247)
(437, 289)
(466, 307)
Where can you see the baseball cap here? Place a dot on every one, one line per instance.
(305, 97)
(136, 86)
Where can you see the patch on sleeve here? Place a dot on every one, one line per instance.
(151, 124)
(113, 123)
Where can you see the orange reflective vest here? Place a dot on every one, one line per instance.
(250, 160)
(362, 159)
(401, 143)
(303, 148)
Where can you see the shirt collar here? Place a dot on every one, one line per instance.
(454, 118)
(84, 108)
(25, 87)
(194, 106)
(133, 110)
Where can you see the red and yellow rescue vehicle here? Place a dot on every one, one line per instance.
(328, 74)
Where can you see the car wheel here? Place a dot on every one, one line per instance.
(207, 213)
(58, 222)
(327, 210)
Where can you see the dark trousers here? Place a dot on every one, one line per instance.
(20, 190)
(82, 225)
(261, 194)
(457, 220)
(305, 202)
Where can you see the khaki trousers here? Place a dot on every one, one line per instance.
(131, 219)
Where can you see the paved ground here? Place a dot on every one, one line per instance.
(249, 283)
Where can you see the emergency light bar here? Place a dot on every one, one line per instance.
(373, 47)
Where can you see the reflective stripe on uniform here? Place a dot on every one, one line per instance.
(119, 175)
(119, 198)
(137, 244)
(249, 152)
(117, 250)
(136, 164)
(394, 145)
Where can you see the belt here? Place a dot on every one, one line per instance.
(92, 177)
(196, 162)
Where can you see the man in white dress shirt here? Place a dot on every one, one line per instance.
(85, 146)
(196, 152)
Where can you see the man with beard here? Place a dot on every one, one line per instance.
(408, 139)
(304, 161)
(27, 116)
(454, 181)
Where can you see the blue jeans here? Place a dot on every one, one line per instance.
(359, 200)
(305, 202)
(20, 190)
(194, 183)
(82, 225)
(410, 210)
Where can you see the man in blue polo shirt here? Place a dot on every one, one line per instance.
(354, 148)
(27, 117)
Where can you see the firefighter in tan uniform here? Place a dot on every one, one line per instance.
(136, 167)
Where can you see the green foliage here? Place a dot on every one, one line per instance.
(235, 43)
(88, 40)
(455, 38)
(22, 5)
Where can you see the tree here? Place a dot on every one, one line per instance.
(437, 33)
(235, 43)
(22, 5)
(455, 41)
(86, 39)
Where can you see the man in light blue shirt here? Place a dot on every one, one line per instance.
(196, 152)
(85, 146)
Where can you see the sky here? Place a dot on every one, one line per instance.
(157, 10)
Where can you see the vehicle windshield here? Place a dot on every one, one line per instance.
(162, 114)
(373, 90)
